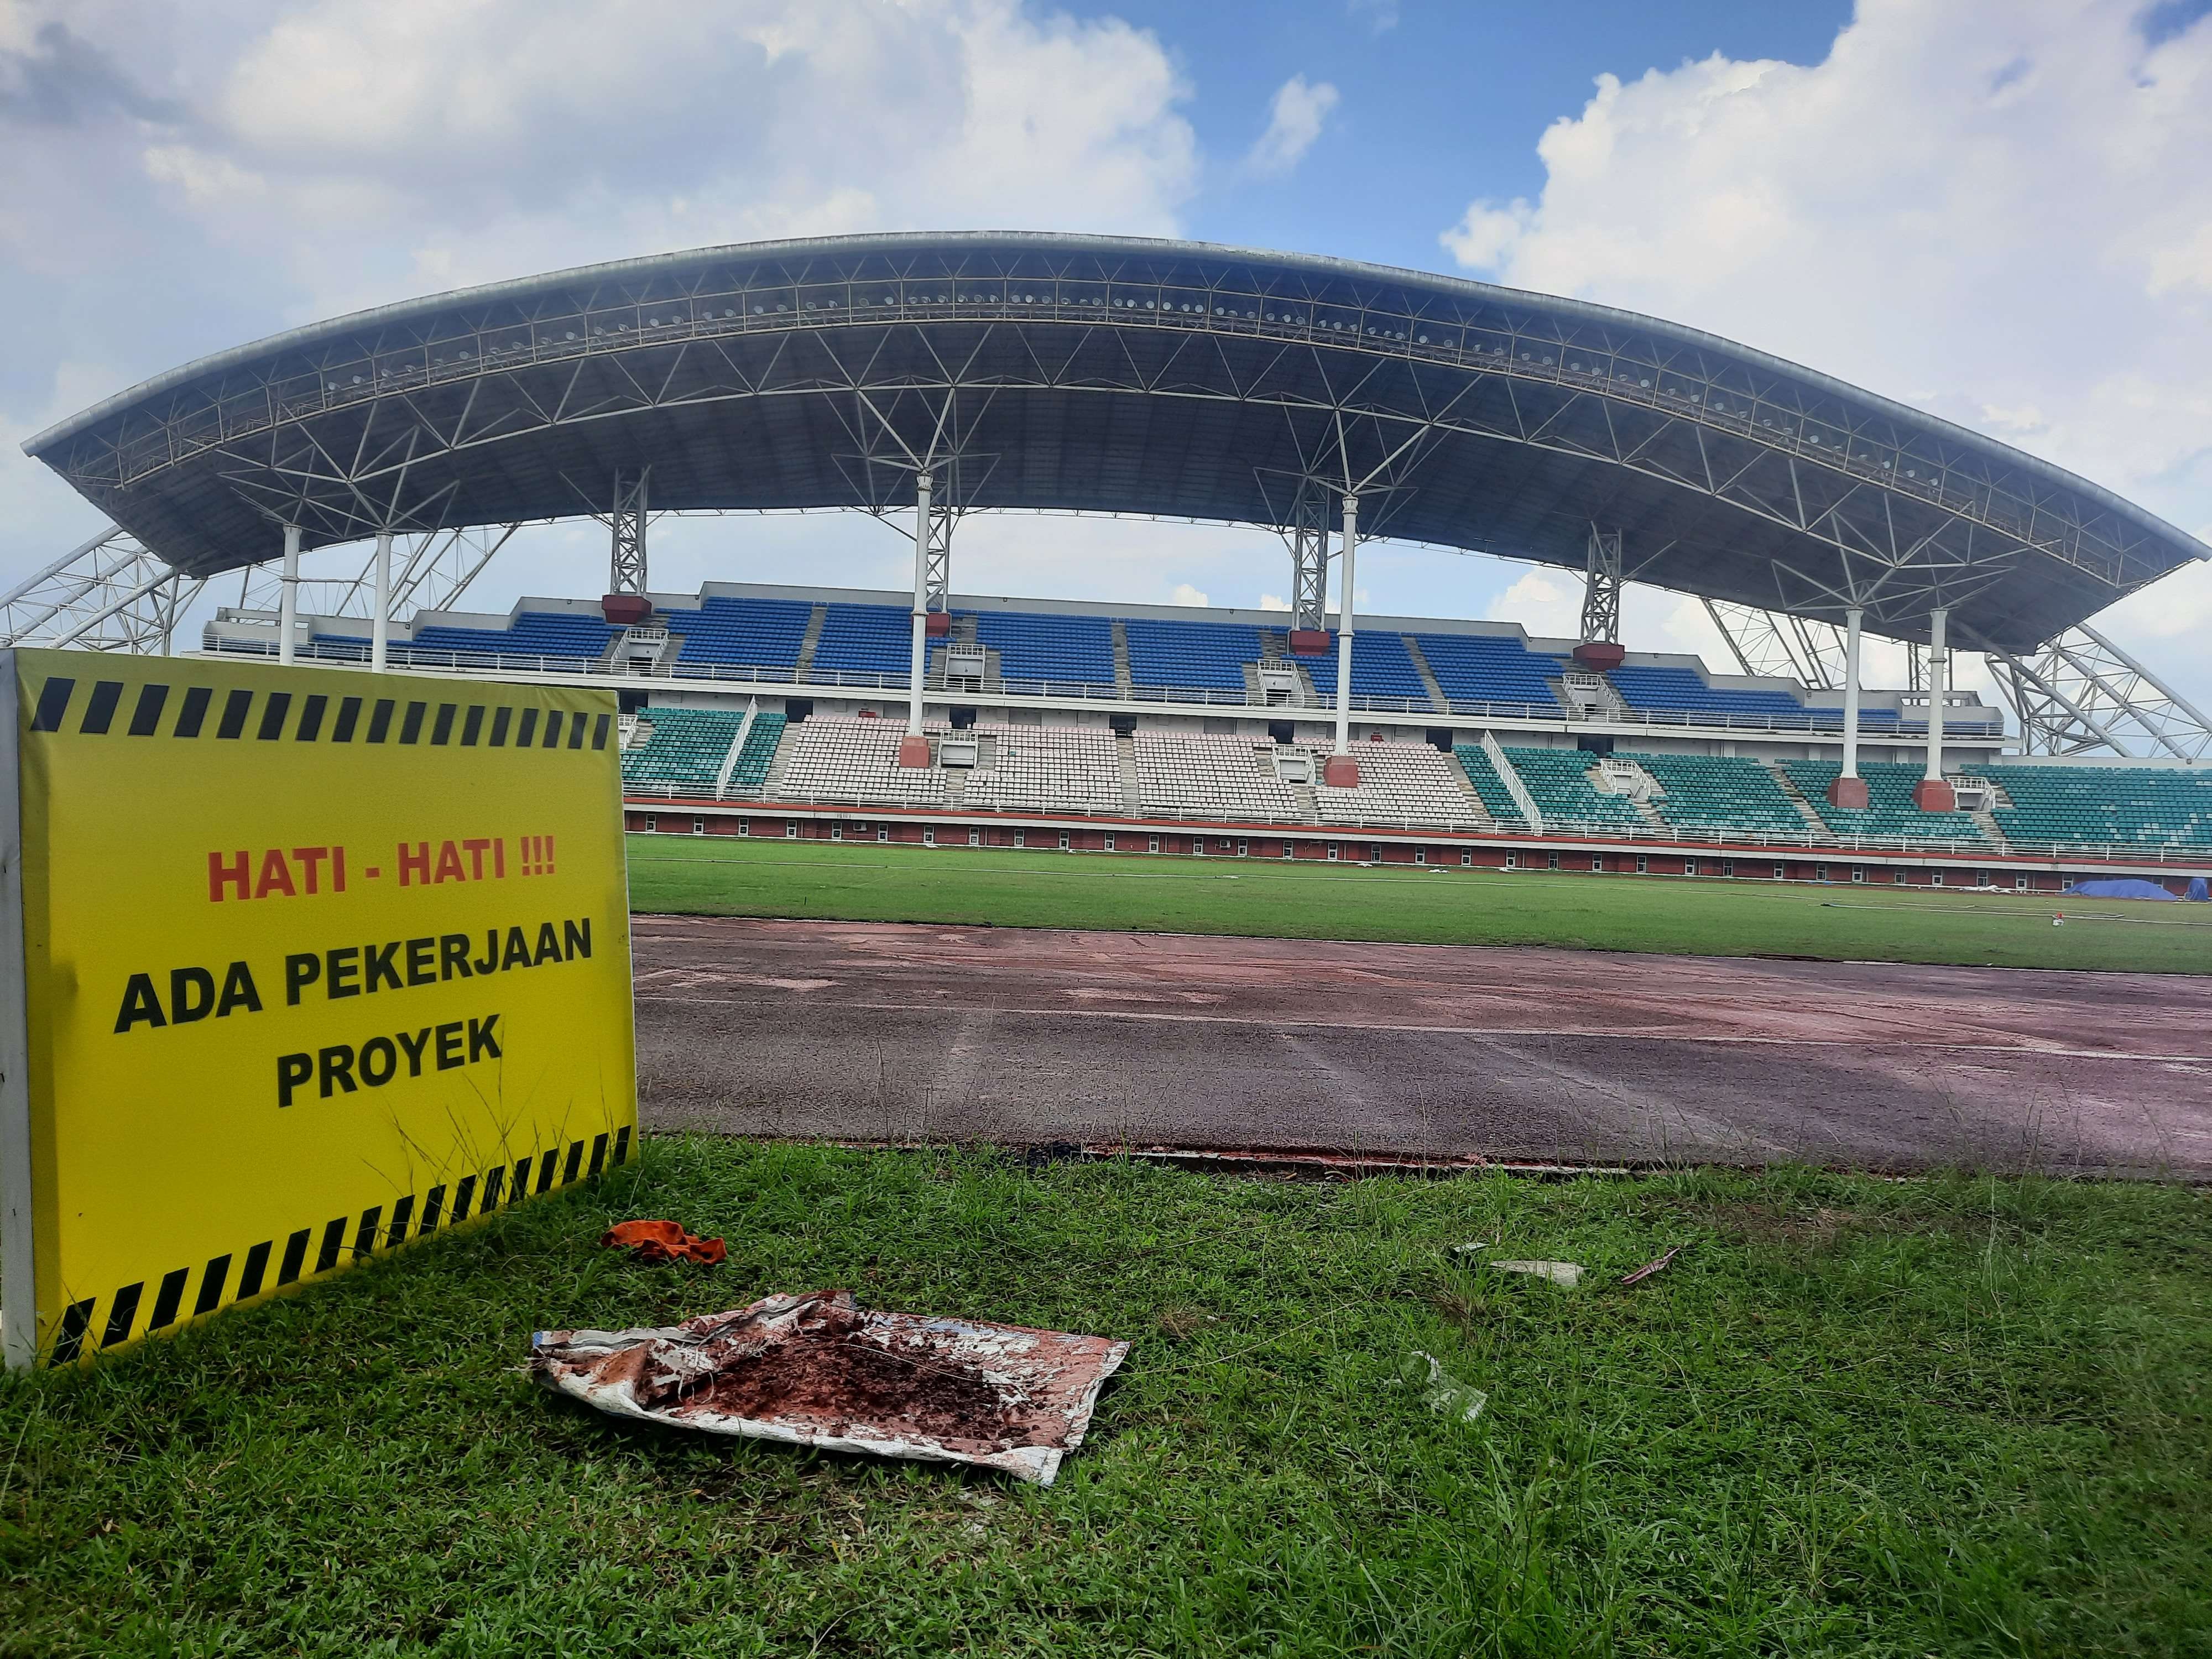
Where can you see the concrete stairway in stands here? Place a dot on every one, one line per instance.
(1806, 809)
(1125, 752)
(1123, 686)
(1436, 698)
(1476, 806)
(772, 784)
(1986, 821)
(808, 640)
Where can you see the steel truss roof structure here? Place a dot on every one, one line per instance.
(1114, 375)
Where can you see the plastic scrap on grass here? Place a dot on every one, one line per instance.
(1454, 1400)
(656, 1242)
(816, 1370)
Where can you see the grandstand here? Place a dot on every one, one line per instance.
(1667, 455)
(2123, 806)
(1890, 811)
(1047, 649)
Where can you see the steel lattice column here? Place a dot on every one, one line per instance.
(1601, 587)
(1308, 543)
(626, 571)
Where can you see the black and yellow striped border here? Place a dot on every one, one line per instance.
(269, 715)
(370, 1233)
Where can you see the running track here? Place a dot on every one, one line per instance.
(862, 1031)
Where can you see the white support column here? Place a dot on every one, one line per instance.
(1850, 790)
(914, 750)
(1341, 770)
(1932, 795)
(1939, 682)
(287, 607)
(379, 627)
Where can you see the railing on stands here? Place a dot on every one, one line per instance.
(1687, 835)
(489, 662)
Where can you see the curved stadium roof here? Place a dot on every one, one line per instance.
(1114, 375)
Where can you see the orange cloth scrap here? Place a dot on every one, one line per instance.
(655, 1242)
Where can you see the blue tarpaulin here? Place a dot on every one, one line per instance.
(2120, 887)
(2197, 889)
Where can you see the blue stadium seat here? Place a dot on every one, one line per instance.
(532, 633)
(865, 639)
(1489, 668)
(1034, 647)
(1201, 656)
(1380, 668)
(743, 632)
(1684, 690)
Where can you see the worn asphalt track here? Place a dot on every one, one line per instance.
(865, 1031)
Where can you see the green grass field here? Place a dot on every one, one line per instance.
(1955, 1417)
(871, 882)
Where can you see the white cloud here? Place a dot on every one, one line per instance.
(376, 146)
(1295, 118)
(1186, 594)
(282, 161)
(1273, 602)
(1548, 604)
(1382, 15)
(1995, 209)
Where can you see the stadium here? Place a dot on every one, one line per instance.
(924, 378)
(1561, 1134)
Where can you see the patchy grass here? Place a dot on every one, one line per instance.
(1441, 905)
(1953, 1416)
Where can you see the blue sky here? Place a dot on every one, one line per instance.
(1996, 209)
(1446, 99)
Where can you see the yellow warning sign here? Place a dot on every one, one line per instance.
(315, 963)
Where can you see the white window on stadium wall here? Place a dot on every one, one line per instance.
(1781, 872)
(2018, 883)
(1819, 872)
(1063, 834)
(1155, 846)
(1689, 866)
(1332, 852)
(745, 827)
(1643, 865)
(1466, 856)
(974, 838)
(1858, 871)
(1551, 860)
(1109, 834)
(1290, 849)
(1935, 878)
(1420, 854)
(651, 825)
(1728, 866)
(1021, 837)
(1197, 845)
(928, 836)
(1597, 861)
(836, 832)
(698, 826)
(1512, 861)
(791, 828)
(883, 832)
(1899, 875)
